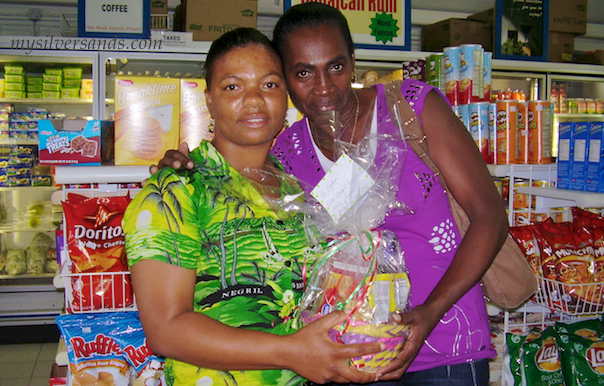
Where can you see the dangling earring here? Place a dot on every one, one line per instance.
(211, 125)
(354, 77)
(285, 124)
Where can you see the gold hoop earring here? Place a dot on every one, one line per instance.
(211, 125)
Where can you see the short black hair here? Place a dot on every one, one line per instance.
(310, 15)
(237, 38)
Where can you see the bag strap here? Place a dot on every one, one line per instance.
(413, 132)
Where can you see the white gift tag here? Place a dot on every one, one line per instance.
(342, 186)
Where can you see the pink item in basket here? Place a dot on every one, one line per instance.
(95, 240)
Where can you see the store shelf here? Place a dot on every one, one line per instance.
(11, 142)
(578, 117)
(28, 188)
(74, 101)
(564, 197)
(101, 174)
(530, 171)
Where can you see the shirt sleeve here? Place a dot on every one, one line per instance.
(161, 223)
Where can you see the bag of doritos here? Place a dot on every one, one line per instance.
(96, 246)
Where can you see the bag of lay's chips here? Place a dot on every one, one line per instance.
(582, 351)
(95, 358)
(541, 364)
(513, 361)
(148, 368)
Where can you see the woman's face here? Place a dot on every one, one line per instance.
(248, 98)
(318, 70)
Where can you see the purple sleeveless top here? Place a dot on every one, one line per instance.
(429, 237)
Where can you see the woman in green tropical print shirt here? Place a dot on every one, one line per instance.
(216, 271)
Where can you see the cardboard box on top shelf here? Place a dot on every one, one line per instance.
(568, 16)
(561, 46)
(454, 32)
(596, 57)
(209, 19)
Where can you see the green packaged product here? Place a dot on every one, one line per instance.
(54, 71)
(72, 73)
(34, 80)
(70, 93)
(13, 69)
(51, 87)
(8, 78)
(34, 87)
(541, 364)
(72, 83)
(14, 86)
(514, 344)
(51, 94)
(35, 95)
(14, 94)
(51, 78)
(582, 353)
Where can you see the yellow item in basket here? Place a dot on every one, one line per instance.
(393, 336)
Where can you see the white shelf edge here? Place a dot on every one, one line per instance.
(60, 101)
(101, 174)
(580, 198)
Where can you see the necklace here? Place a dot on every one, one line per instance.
(356, 117)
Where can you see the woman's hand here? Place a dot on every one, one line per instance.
(322, 360)
(421, 322)
(175, 159)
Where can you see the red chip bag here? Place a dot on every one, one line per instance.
(567, 257)
(96, 246)
(525, 238)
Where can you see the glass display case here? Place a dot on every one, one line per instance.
(27, 215)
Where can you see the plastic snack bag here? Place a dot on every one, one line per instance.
(148, 368)
(95, 240)
(95, 358)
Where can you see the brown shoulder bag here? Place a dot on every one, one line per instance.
(509, 282)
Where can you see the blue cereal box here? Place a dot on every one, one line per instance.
(595, 167)
(565, 154)
(75, 141)
(580, 153)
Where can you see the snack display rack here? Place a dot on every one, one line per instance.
(552, 302)
(96, 181)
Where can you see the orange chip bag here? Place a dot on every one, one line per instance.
(95, 241)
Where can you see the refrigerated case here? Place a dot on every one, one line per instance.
(30, 297)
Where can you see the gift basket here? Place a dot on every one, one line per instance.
(362, 270)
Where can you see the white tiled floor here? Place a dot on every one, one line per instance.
(26, 364)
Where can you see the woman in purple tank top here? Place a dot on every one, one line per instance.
(449, 341)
